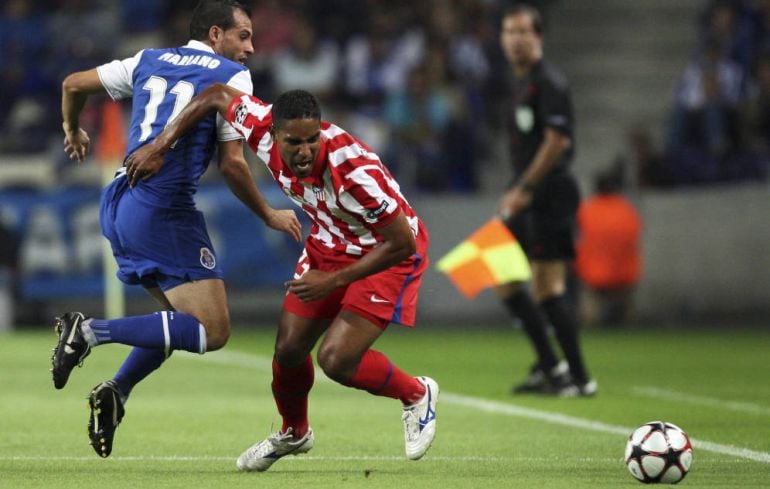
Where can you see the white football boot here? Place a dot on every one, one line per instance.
(262, 455)
(420, 421)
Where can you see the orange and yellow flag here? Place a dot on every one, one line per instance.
(490, 256)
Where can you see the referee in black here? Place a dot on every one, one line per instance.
(540, 205)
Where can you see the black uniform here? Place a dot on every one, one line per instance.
(540, 100)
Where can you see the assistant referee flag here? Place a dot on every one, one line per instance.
(490, 256)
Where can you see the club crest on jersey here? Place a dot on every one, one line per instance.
(320, 194)
(207, 258)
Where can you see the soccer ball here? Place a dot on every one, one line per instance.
(658, 452)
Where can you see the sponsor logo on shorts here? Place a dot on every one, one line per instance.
(207, 258)
(374, 298)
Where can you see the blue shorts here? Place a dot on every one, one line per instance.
(154, 246)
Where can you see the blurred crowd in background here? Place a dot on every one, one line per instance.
(417, 80)
(720, 121)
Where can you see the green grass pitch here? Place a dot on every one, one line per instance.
(186, 424)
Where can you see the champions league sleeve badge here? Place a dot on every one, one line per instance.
(240, 114)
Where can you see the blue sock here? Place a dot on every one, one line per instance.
(140, 363)
(164, 330)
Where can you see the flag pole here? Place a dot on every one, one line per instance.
(109, 152)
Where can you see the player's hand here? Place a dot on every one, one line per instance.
(77, 144)
(143, 164)
(285, 220)
(313, 285)
(513, 202)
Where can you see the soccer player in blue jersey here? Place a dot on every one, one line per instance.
(158, 238)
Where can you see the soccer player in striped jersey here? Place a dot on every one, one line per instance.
(158, 237)
(360, 270)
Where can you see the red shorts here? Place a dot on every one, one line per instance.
(389, 296)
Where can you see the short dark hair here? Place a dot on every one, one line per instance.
(295, 104)
(210, 13)
(526, 9)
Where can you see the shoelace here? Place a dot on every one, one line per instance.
(265, 447)
(58, 328)
(412, 423)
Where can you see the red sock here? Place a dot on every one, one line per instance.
(377, 375)
(291, 386)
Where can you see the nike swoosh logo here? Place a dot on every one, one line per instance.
(68, 350)
(374, 298)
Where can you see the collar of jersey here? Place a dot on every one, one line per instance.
(200, 46)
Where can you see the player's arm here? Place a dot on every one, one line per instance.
(555, 144)
(239, 178)
(398, 244)
(147, 160)
(76, 88)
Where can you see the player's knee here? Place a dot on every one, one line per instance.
(289, 353)
(217, 337)
(547, 294)
(543, 290)
(336, 366)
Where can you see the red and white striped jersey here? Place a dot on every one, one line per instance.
(350, 192)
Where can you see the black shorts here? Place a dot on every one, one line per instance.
(546, 230)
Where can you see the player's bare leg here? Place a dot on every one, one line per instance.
(207, 301)
(346, 356)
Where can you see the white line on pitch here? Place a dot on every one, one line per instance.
(259, 362)
(185, 458)
(741, 407)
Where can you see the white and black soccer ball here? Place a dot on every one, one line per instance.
(658, 452)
